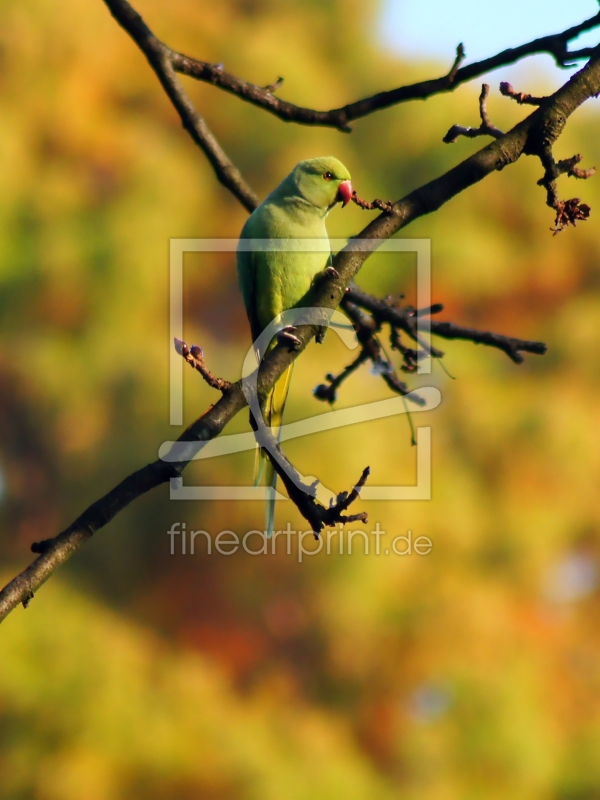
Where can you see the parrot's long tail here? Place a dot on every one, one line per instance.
(274, 408)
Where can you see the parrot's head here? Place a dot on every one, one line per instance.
(323, 182)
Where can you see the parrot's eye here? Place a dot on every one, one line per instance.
(328, 176)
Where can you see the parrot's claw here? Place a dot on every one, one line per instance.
(328, 272)
(287, 336)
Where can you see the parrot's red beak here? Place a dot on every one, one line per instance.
(344, 193)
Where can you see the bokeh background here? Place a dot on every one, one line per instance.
(472, 672)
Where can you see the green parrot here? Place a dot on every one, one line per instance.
(275, 281)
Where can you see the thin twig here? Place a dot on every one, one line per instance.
(367, 327)
(510, 345)
(386, 206)
(555, 45)
(569, 166)
(385, 311)
(458, 60)
(272, 87)
(328, 391)
(194, 356)
(522, 99)
(485, 129)
(407, 321)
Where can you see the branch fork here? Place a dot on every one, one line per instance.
(568, 212)
(485, 129)
(317, 515)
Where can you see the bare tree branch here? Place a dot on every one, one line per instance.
(367, 326)
(508, 344)
(407, 319)
(530, 136)
(319, 516)
(264, 97)
(160, 58)
(568, 212)
(166, 62)
(303, 495)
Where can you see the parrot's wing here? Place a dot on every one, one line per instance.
(247, 273)
(247, 268)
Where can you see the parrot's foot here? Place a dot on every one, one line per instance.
(287, 336)
(328, 272)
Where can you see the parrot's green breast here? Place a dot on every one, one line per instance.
(279, 279)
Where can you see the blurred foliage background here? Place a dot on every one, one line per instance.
(472, 672)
